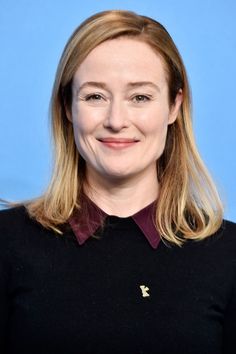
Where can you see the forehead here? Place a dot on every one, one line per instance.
(122, 58)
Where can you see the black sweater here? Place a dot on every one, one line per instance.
(57, 297)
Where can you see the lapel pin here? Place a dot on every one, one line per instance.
(144, 290)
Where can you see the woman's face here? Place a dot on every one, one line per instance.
(120, 109)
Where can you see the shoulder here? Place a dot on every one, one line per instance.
(14, 218)
(227, 232)
(226, 237)
(13, 228)
(229, 227)
(16, 226)
(223, 243)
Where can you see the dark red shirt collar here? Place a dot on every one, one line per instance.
(83, 229)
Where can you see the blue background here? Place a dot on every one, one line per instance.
(32, 37)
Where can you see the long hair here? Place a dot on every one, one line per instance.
(188, 203)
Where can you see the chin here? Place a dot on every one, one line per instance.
(118, 175)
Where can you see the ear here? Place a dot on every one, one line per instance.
(174, 109)
(68, 112)
(66, 101)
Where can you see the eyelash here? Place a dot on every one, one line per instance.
(94, 96)
(136, 98)
(145, 98)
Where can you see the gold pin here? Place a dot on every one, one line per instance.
(144, 290)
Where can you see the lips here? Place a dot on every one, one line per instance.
(117, 143)
(117, 140)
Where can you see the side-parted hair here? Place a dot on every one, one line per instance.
(188, 204)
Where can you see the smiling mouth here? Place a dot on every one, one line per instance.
(118, 143)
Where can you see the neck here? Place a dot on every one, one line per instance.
(122, 197)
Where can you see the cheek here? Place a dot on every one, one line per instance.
(155, 124)
(81, 133)
(85, 125)
(85, 120)
(157, 137)
(81, 125)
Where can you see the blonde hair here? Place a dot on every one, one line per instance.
(188, 203)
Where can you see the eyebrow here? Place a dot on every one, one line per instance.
(102, 85)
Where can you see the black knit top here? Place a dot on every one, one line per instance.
(114, 293)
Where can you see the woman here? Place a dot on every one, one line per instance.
(126, 252)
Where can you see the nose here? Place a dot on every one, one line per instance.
(117, 116)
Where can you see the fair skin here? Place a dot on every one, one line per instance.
(120, 115)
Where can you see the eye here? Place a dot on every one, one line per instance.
(141, 98)
(94, 97)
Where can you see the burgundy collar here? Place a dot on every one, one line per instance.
(144, 218)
